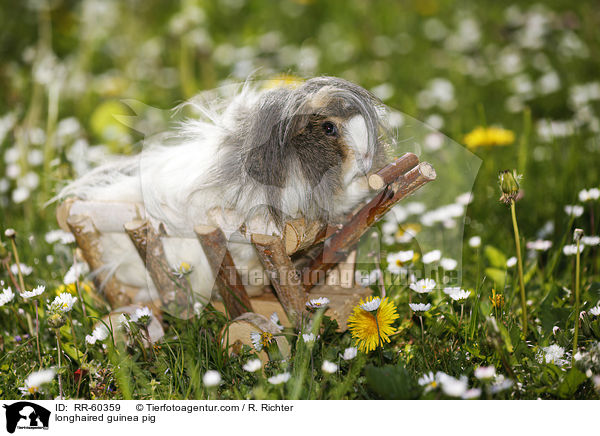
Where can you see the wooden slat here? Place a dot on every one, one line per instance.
(227, 278)
(175, 291)
(284, 277)
(88, 239)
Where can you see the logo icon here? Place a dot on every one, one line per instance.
(26, 415)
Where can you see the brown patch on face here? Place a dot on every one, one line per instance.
(320, 155)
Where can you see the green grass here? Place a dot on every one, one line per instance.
(161, 53)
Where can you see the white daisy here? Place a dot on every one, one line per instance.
(539, 245)
(448, 264)
(419, 307)
(451, 290)
(595, 310)
(63, 303)
(317, 303)
(142, 316)
(275, 320)
(255, 337)
(279, 378)
(432, 256)
(423, 286)
(123, 322)
(372, 305)
(100, 333)
(329, 367)
(575, 210)
(350, 353)
(34, 292)
(34, 382)
(485, 372)
(590, 241)
(471, 394)
(465, 199)
(571, 249)
(554, 354)
(6, 296)
(397, 260)
(427, 379)
(211, 378)
(460, 295)
(589, 195)
(451, 386)
(415, 208)
(25, 269)
(511, 261)
(501, 384)
(475, 242)
(59, 235)
(366, 279)
(182, 269)
(252, 365)
(77, 270)
(308, 337)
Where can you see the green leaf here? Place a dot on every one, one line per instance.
(550, 315)
(497, 275)
(71, 351)
(569, 385)
(495, 257)
(505, 337)
(392, 382)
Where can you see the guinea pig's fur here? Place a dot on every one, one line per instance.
(274, 154)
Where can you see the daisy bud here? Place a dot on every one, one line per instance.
(10, 233)
(577, 235)
(56, 320)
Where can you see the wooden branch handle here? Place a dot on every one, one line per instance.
(298, 234)
(174, 291)
(392, 171)
(284, 277)
(336, 247)
(88, 239)
(228, 280)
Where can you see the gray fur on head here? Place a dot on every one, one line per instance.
(272, 142)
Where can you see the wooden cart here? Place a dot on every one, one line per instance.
(298, 263)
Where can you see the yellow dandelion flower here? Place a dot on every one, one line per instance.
(370, 328)
(72, 288)
(487, 136)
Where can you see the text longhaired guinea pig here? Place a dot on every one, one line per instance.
(271, 154)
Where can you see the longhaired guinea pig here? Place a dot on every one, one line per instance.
(274, 154)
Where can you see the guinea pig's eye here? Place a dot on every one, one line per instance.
(329, 128)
